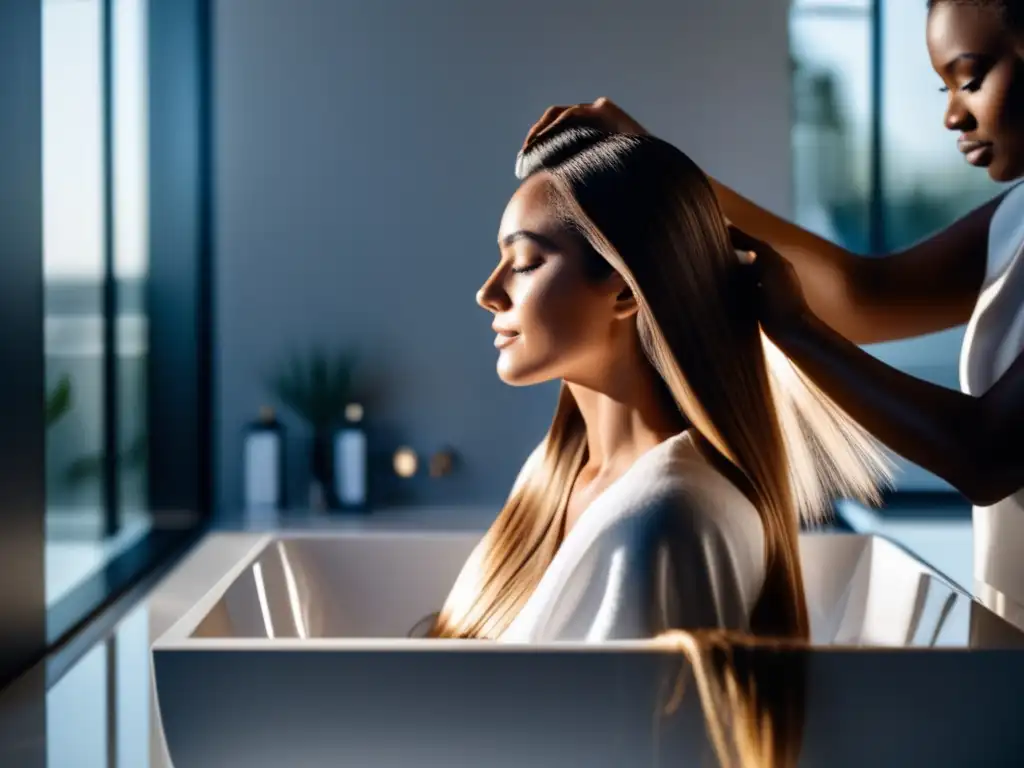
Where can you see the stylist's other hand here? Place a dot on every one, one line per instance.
(782, 307)
(603, 115)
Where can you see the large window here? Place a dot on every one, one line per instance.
(104, 302)
(875, 168)
(95, 253)
(121, 383)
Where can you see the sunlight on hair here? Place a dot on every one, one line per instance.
(647, 209)
(784, 371)
(748, 727)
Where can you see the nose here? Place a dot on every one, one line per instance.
(957, 116)
(492, 295)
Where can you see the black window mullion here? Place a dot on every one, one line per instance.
(111, 442)
(876, 200)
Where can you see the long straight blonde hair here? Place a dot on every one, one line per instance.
(651, 214)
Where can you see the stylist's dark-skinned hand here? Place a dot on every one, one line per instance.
(603, 115)
(781, 304)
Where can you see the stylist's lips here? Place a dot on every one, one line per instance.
(976, 152)
(505, 336)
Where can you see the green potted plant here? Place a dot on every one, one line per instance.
(317, 386)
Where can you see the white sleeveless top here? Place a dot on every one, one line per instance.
(671, 544)
(994, 340)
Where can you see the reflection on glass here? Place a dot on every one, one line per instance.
(927, 183)
(98, 714)
(831, 131)
(73, 268)
(86, 525)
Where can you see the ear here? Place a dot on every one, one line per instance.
(626, 305)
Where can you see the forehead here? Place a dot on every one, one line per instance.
(531, 207)
(955, 28)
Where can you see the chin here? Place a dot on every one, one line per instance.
(516, 379)
(518, 376)
(1003, 172)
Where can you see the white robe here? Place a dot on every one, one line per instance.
(671, 544)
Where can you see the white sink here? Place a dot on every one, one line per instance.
(302, 656)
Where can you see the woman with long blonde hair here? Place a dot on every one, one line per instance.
(685, 450)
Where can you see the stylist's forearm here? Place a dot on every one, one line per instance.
(761, 223)
(828, 273)
(934, 427)
(743, 212)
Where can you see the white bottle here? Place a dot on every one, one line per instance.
(350, 463)
(264, 465)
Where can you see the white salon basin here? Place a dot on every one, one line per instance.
(860, 589)
(302, 656)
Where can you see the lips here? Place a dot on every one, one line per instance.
(976, 152)
(504, 337)
(503, 340)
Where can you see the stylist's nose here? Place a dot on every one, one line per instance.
(957, 116)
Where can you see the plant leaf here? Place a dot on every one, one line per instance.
(317, 387)
(58, 402)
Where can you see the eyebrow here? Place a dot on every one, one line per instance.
(975, 58)
(522, 234)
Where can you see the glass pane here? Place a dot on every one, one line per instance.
(98, 714)
(829, 6)
(85, 531)
(831, 130)
(928, 185)
(78, 714)
(73, 240)
(131, 258)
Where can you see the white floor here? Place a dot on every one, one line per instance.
(76, 548)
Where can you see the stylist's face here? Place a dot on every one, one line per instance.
(981, 68)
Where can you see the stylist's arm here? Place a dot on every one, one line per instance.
(926, 288)
(973, 443)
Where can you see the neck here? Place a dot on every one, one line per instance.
(625, 413)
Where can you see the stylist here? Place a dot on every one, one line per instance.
(819, 301)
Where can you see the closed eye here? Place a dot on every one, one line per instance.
(970, 87)
(524, 270)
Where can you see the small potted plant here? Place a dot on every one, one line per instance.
(317, 387)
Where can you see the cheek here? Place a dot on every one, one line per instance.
(1004, 118)
(1003, 109)
(558, 312)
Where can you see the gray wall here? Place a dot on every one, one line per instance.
(364, 153)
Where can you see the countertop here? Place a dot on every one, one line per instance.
(93, 706)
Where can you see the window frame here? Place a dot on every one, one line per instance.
(179, 299)
(876, 224)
